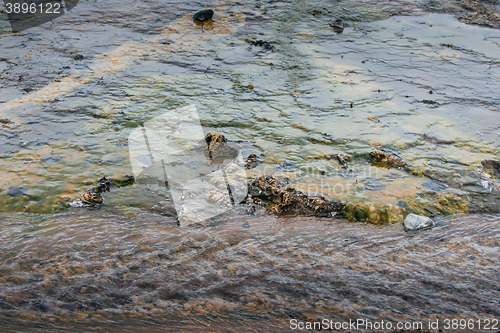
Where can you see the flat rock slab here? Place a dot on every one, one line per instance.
(16, 191)
(417, 222)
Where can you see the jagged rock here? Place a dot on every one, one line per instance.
(252, 161)
(290, 200)
(218, 148)
(90, 199)
(103, 185)
(414, 222)
(378, 156)
(266, 187)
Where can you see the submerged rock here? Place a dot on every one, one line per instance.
(203, 15)
(16, 191)
(414, 222)
(166, 41)
(337, 25)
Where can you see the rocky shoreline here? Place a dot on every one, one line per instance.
(475, 192)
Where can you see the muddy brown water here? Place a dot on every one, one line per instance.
(429, 80)
(102, 271)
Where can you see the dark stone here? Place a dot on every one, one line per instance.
(81, 93)
(78, 57)
(203, 15)
(16, 191)
(337, 25)
(262, 43)
(328, 137)
(402, 204)
(103, 185)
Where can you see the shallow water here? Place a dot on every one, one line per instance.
(107, 270)
(428, 83)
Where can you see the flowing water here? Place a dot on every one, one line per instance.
(422, 84)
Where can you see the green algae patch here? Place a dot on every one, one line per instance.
(422, 204)
(438, 203)
(374, 214)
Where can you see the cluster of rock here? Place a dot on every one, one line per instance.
(280, 198)
(276, 196)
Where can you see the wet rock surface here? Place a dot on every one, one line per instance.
(414, 222)
(337, 25)
(492, 166)
(203, 15)
(283, 199)
(90, 199)
(389, 159)
(252, 161)
(265, 45)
